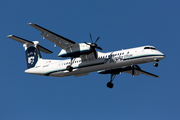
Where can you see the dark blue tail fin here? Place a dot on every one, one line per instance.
(32, 56)
(31, 49)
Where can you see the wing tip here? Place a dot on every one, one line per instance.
(30, 23)
(9, 36)
(157, 76)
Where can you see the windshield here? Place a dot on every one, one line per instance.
(152, 48)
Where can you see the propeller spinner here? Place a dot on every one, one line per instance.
(93, 46)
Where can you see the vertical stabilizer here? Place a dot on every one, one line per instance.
(32, 54)
(32, 50)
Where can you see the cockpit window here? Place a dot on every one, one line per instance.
(152, 48)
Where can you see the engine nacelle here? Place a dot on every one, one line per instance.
(75, 50)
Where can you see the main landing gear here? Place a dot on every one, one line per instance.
(69, 67)
(110, 84)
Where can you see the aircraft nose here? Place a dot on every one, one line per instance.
(162, 56)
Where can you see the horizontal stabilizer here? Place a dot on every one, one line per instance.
(23, 41)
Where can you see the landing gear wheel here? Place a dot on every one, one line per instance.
(155, 64)
(69, 68)
(110, 85)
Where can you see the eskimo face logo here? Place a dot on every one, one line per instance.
(32, 57)
(31, 60)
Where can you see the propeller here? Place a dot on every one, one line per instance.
(93, 45)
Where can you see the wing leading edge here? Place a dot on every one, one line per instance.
(58, 40)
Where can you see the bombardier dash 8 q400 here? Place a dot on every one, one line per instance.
(84, 58)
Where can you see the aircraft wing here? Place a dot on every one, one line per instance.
(146, 73)
(139, 71)
(58, 40)
(128, 70)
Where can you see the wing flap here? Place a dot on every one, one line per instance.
(56, 42)
(58, 38)
(23, 41)
(130, 72)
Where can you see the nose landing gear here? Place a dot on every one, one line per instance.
(156, 63)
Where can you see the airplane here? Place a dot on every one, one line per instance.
(84, 58)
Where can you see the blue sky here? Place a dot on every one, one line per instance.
(120, 25)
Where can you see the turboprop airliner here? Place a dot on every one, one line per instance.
(84, 58)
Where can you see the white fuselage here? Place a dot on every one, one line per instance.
(87, 63)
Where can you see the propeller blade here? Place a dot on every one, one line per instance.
(91, 38)
(97, 39)
(99, 48)
(95, 53)
(87, 43)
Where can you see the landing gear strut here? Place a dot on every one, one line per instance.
(156, 63)
(110, 84)
(69, 68)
